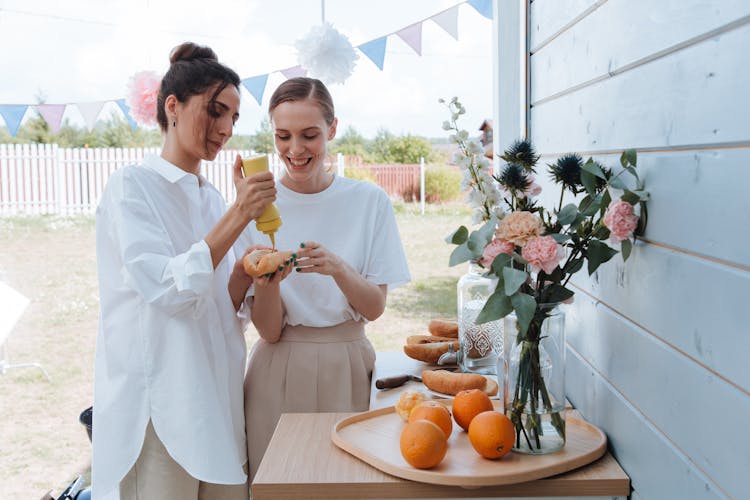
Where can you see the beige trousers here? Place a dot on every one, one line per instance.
(156, 475)
(308, 370)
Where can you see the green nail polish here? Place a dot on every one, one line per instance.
(287, 261)
(268, 275)
(294, 255)
(302, 245)
(281, 268)
(298, 269)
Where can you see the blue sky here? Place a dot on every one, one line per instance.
(85, 50)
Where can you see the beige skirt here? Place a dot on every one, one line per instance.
(308, 370)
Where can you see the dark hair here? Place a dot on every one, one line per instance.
(193, 69)
(301, 88)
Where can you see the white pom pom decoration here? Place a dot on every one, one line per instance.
(326, 54)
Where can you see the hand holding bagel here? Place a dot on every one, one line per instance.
(262, 261)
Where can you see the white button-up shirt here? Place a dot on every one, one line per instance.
(170, 346)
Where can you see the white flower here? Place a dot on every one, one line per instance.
(493, 197)
(474, 148)
(462, 161)
(478, 216)
(466, 181)
(476, 198)
(485, 178)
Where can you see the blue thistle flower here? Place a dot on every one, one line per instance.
(567, 171)
(514, 178)
(521, 153)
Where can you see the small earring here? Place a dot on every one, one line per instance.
(174, 124)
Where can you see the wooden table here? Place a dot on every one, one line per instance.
(302, 462)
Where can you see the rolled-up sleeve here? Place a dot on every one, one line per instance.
(150, 264)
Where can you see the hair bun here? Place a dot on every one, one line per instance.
(189, 51)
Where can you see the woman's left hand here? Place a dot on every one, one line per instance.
(312, 257)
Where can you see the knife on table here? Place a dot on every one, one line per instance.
(399, 380)
(395, 381)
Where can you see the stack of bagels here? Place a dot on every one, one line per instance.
(429, 348)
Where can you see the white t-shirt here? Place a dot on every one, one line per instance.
(170, 346)
(353, 219)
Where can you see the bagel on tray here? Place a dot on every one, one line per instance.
(447, 382)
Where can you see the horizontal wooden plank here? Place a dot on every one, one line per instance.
(621, 33)
(701, 414)
(696, 306)
(655, 467)
(692, 97)
(549, 17)
(695, 199)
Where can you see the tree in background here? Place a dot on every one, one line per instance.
(350, 143)
(115, 131)
(379, 149)
(261, 141)
(409, 149)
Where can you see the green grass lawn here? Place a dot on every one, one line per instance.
(52, 261)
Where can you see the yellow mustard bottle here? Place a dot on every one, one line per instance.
(270, 220)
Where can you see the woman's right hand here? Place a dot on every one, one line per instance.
(254, 193)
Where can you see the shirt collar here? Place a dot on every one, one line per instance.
(168, 170)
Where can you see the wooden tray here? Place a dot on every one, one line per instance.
(373, 437)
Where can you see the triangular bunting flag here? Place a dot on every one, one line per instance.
(126, 111)
(293, 72)
(256, 85)
(448, 20)
(375, 51)
(412, 35)
(13, 114)
(484, 7)
(90, 112)
(52, 114)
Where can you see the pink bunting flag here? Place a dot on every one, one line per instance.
(448, 20)
(412, 35)
(90, 112)
(52, 114)
(293, 72)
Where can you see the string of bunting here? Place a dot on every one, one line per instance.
(140, 110)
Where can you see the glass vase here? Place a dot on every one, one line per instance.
(534, 380)
(479, 345)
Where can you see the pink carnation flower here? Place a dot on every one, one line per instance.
(495, 248)
(620, 219)
(543, 252)
(143, 90)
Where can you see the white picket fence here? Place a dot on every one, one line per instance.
(48, 179)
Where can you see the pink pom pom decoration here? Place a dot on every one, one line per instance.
(143, 89)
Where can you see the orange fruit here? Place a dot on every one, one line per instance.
(492, 434)
(408, 400)
(435, 413)
(423, 444)
(468, 404)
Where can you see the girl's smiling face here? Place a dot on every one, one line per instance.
(300, 135)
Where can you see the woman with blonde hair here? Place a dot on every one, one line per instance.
(313, 355)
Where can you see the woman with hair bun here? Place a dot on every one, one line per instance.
(313, 355)
(170, 355)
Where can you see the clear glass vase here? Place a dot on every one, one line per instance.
(479, 345)
(534, 380)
